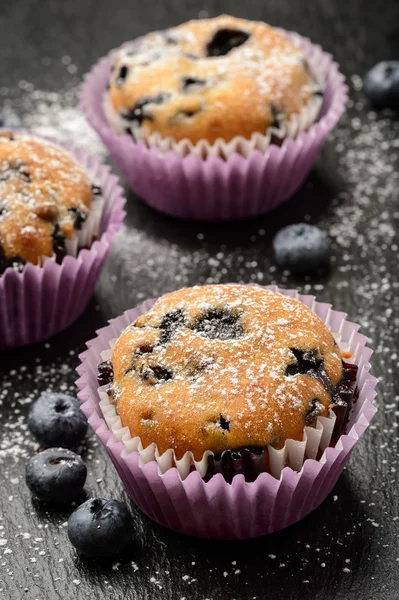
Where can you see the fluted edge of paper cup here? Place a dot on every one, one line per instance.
(39, 302)
(237, 510)
(215, 189)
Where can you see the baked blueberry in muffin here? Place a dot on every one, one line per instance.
(209, 79)
(227, 368)
(45, 197)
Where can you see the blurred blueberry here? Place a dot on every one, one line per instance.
(381, 84)
(301, 248)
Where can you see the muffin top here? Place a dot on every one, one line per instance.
(224, 367)
(208, 79)
(44, 196)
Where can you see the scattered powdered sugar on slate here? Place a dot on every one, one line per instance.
(369, 186)
(16, 442)
(54, 114)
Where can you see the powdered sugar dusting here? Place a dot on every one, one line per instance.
(53, 114)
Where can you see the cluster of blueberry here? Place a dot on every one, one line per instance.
(98, 527)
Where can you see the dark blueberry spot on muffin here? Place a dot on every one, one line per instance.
(25, 175)
(155, 374)
(144, 349)
(189, 82)
(14, 262)
(305, 64)
(47, 211)
(3, 209)
(313, 412)
(15, 169)
(172, 41)
(59, 246)
(105, 373)
(277, 116)
(111, 395)
(139, 112)
(170, 323)
(183, 114)
(7, 134)
(96, 190)
(225, 40)
(79, 217)
(307, 362)
(224, 423)
(219, 324)
(123, 71)
(350, 371)
(190, 56)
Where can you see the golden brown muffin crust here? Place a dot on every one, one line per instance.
(210, 79)
(44, 195)
(224, 367)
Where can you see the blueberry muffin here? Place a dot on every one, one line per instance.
(45, 196)
(226, 368)
(209, 79)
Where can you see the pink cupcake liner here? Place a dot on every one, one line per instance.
(216, 189)
(42, 301)
(217, 509)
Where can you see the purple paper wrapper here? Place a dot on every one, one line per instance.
(217, 189)
(217, 509)
(42, 301)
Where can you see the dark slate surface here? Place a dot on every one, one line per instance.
(347, 549)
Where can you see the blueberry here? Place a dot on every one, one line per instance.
(5, 262)
(139, 112)
(79, 217)
(219, 323)
(56, 475)
(381, 84)
(190, 83)
(56, 420)
(100, 527)
(170, 324)
(105, 373)
(155, 373)
(301, 248)
(59, 246)
(225, 40)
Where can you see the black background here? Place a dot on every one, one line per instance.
(348, 549)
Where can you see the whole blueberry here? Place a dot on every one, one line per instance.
(100, 527)
(301, 248)
(56, 420)
(381, 84)
(55, 475)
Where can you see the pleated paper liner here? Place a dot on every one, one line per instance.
(255, 178)
(179, 498)
(41, 301)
